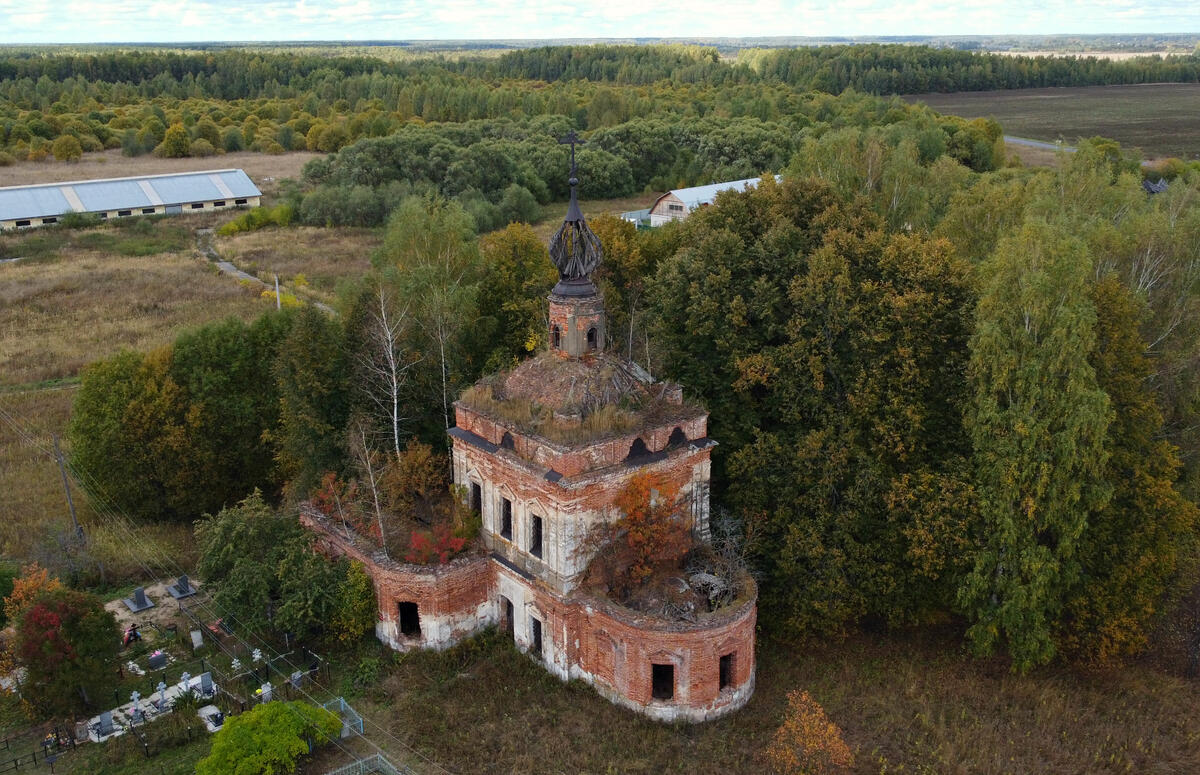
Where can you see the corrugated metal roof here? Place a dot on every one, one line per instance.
(705, 195)
(50, 199)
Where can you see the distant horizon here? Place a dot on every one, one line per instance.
(130, 22)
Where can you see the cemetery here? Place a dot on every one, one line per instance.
(182, 676)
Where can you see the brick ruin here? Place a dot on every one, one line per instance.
(541, 452)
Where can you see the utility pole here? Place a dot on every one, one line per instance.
(58, 457)
(278, 303)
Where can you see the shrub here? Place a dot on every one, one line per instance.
(268, 739)
(7, 159)
(201, 148)
(807, 743)
(67, 148)
(439, 544)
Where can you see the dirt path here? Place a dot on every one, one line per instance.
(204, 245)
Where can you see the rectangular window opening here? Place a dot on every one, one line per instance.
(22, 223)
(49, 220)
(410, 619)
(147, 211)
(726, 671)
(123, 213)
(506, 617)
(476, 497)
(103, 216)
(535, 636)
(535, 537)
(219, 203)
(197, 205)
(662, 681)
(239, 201)
(506, 519)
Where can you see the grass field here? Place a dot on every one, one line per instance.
(324, 256)
(907, 703)
(79, 295)
(1158, 119)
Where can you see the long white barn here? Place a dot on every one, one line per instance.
(677, 204)
(45, 203)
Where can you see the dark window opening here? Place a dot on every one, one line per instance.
(535, 536)
(123, 213)
(410, 620)
(726, 677)
(662, 681)
(506, 518)
(49, 220)
(476, 497)
(239, 201)
(22, 223)
(506, 441)
(591, 338)
(556, 337)
(637, 449)
(535, 635)
(103, 216)
(196, 205)
(678, 438)
(506, 616)
(147, 211)
(219, 203)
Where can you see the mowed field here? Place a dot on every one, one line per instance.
(1158, 119)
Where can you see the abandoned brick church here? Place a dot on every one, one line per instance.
(541, 451)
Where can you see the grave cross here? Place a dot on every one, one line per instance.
(183, 679)
(162, 693)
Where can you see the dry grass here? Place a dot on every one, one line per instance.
(64, 310)
(906, 703)
(111, 164)
(34, 509)
(323, 256)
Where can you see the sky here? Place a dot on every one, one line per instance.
(110, 21)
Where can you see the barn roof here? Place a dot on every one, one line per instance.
(705, 195)
(85, 196)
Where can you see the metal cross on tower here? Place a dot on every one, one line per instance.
(572, 139)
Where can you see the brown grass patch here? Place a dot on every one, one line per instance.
(323, 256)
(63, 311)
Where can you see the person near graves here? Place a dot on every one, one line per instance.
(131, 634)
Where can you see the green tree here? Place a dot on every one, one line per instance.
(268, 739)
(356, 609)
(1131, 549)
(311, 371)
(517, 277)
(1037, 428)
(67, 148)
(67, 643)
(175, 143)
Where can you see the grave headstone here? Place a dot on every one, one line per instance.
(206, 685)
(104, 725)
(181, 588)
(197, 639)
(139, 601)
(264, 692)
(158, 660)
(297, 679)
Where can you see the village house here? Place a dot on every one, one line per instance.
(43, 204)
(541, 486)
